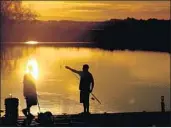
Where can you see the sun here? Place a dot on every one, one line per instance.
(35, 72)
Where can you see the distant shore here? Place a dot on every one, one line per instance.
(73, 44)
(114, 34)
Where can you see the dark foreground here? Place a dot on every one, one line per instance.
(159, 119)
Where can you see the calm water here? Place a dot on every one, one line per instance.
(125, 81)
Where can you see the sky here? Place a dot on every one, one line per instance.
(99, 10)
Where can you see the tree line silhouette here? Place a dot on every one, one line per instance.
(132, 34)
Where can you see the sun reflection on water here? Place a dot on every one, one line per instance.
(31, 42)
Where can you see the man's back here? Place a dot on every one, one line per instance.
(85, 81)
(29, 85)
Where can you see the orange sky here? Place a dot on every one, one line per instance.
(102, 10)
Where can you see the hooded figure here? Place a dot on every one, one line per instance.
(29, 92)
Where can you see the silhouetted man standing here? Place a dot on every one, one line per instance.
(29, 90)
(86, 85)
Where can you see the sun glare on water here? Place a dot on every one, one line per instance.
(31, 42)
(35, 71)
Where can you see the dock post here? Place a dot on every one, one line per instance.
(162, 104)
(11, 111)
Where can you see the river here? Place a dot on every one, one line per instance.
(125, 81)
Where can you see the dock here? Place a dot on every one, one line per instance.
(129, 119)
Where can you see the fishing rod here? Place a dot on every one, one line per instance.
(94, 97)
(38, 103)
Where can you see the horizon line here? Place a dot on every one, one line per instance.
(103, 20)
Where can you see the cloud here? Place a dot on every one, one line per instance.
(95, 10)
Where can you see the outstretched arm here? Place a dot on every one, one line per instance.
(73, 70)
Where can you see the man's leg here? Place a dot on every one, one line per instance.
(87, 106)
(25, 111)
(82, 100)
(30, 116)
(84, 105)
(29, 113)
(87, 102)
(28, 108)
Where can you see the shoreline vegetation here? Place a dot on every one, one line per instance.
(72, 45)
(115, 34)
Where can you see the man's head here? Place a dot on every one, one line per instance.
(85, 67)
